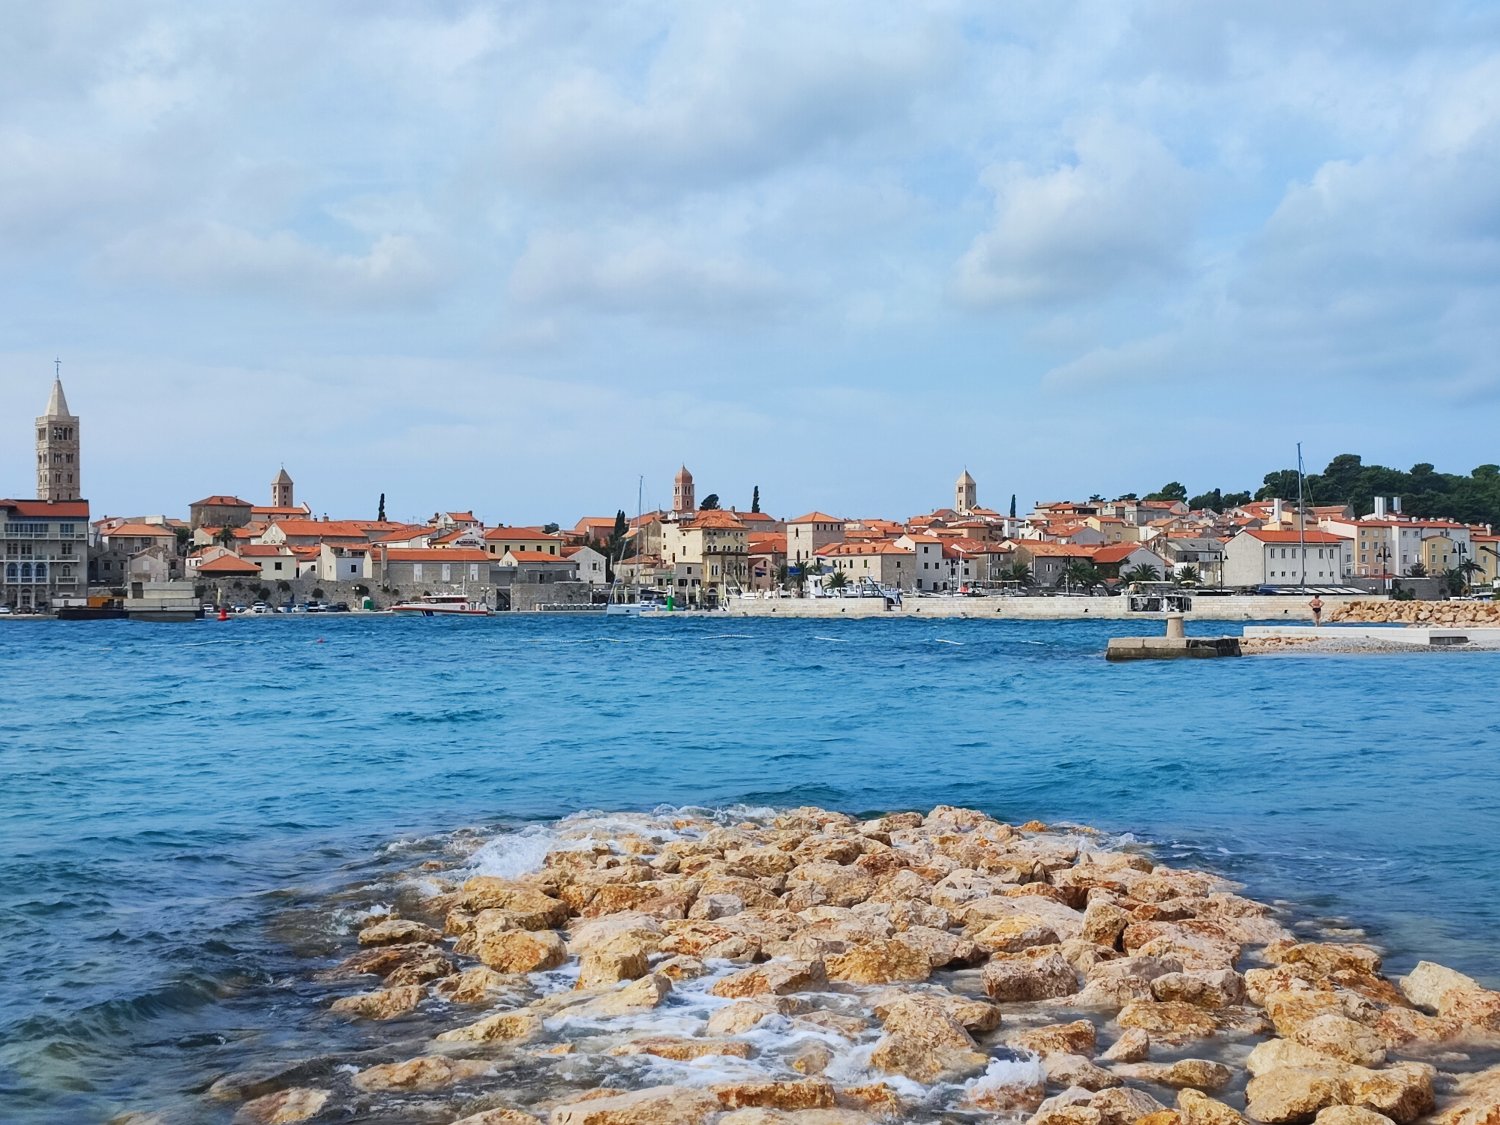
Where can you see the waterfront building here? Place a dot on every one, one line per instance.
(589, 564)
(717, 544)
(1263, 557)
(45, 551)
(419, 570)
(121, 542)
(58, 452)
(499, 540)
(808, 534)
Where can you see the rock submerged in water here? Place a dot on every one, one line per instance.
(817, 969)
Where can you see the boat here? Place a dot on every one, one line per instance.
(434, 605)
(630, 602)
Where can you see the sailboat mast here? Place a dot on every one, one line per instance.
(1301, 518)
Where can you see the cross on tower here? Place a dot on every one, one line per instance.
(57, 369)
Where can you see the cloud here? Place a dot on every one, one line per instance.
(644, 272)
(232, 261)
(1120, 210)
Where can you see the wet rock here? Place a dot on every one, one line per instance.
(850, 1027)
(255, 1082)
(528, 907)
(1325, 957)
(1198, 1074)
(1067, 1070)
(656, 1105)
(283, 1107)
(1115, 983)
(879, 961)
(1103, 923)
(383, 1004)
(923, 1042)
(1015, 933)
(810, 1059)
(758, 1116)
(1350, 1115)
(1169, 1022)
(1007, 1087)
(475, 985)
(1291, 1083)
(637, 996)
(1453, 996)
(738, 1018)
(422, 969)
(805, 1093)
(683, 1049)
(774, 977)
(512, 1027)
(681, 968)
(1133, 1045)
(517, 951)
(398, 931)
(499, 1117)
(1123, 1106)
(1343, 1038)
(1076, 1038)
(1013, 980)
(1477, 1101)
(1206, 988)
(875, 1098)
(610, 965)
(1197, 1108)
(429, 1072)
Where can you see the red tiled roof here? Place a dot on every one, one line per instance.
(533, 556)
(1294, 536)
(228, 564)
(126, 530)
(433, 554)
(220, 502)
(43, 509)
(529, 534)
(816, 517)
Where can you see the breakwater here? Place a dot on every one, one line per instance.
(810, 966)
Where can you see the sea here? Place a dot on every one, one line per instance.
(184, 807)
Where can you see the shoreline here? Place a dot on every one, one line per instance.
(805, 966)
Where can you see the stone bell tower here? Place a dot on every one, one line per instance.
(965, 494)
(684, 499)
(282, 490)
(58, 475)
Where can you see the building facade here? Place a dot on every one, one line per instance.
(45, 545)
(58, 471)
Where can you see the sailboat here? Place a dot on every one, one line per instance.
(623, 601)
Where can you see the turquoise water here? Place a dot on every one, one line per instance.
(180, 800)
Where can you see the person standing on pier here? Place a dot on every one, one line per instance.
(1316, 605)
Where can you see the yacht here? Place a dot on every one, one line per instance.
(432, 605)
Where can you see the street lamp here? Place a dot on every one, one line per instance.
(1384, 555)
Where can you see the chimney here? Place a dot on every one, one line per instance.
(1276, 511)
(1396, 504)
(1380, 507)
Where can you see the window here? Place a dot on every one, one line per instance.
(447, 572)
(416, 572)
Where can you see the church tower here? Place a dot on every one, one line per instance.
(282, 491)
(57, 467)
(965, 494)
(683, 497)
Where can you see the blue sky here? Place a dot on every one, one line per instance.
(512, 256)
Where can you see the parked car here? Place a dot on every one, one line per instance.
(260, 607)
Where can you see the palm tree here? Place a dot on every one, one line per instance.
(1453, 582)
(1082, 574)
(1142, 572)
(1019, 573)
(804, 568)
(1469, 568)
(838, 580)
(1416, 570)
(225, 536)
(1188, 576)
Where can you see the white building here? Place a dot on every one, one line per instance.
(1288, 558)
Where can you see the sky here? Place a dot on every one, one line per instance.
(516, 257)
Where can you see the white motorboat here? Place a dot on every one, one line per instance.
(434, 605)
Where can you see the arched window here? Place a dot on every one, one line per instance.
(25, 572)
(41, 571)
(11, 572)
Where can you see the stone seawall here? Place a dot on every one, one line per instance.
(1442, 614)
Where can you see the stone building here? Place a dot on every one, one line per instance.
(282, 490)
(219, 511)
(965, 494)
(684, 497)
(58, 475)
(45, 545)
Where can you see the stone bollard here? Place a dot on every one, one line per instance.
(1174, 626)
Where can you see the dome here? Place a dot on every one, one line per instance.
(683, 475)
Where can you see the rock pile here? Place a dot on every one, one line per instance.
(813, 968)
(1439, 615)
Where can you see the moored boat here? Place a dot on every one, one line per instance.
(434, 605)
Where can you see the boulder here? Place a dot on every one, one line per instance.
(1076, 1038)
(1197, 1108)
(1066, 1071)
(878, 962)
(474, 985)
(1104, 922)
(398, 931)
(1477, 1101)
(803, 1093)
(1343, 1038)
(383, 1004)
(429, 1072)
(517, 951)
(773, 977)
(1008, 1086)
(513, 1027)
(1015, 933)
(1207, 988)
(499, 1116)
(1133, 1045)
(528, 907)
(738, 1018)
(1013, 980)
(1197, 1074)
(655, 1105)
(923, 1042)
(637, 996)
(839, 885)
(1350, 1115)
(1169, 1022)
(610, 964)
(283, 1107)
(422, 968)
(683, 1049)
(1123, 1106)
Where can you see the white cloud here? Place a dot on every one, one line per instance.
(1120, 209)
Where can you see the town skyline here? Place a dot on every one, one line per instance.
(1060, 245)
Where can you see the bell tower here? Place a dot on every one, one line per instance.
(684, 498)
(282, 490)
(58, 475)
(965, 494)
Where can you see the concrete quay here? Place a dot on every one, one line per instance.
(1414, 635)
(1062, 608)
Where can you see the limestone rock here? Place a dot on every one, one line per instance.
(283, 1107)
(1327, 957)
(1067, 1070)
(1076, 1038)
(1169, 1022)
(804, 1093)
(1133, 1045)
(514, 1027)
(429, 1072)
(637, 996)
(1350, 1115)
(811, 1059)
(1015, 933)
(1104, 922)
(923, 1042)
(529, 907)
(1197, 1108)
(1008, 1087)
(680, 968)
(383, 1004)
(499, 1117)
(398, 931)
(1207, 988)
(1477, 1103)
(518, 951)
(1197, 1074)
(611, 964)
(655, 1105)
(879, 961)
(683, 1049)
(1011, 980)
(1123, 1106)
(1342, 1038)
(774, 977)
(474, 985)
(422, 969)
(738, 1018)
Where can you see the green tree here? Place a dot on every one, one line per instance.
(1280, 485)
(838, 580)
(1452, 582)
(1235, 500)
(1416, 570)
(184, 536)
(1080, 575)
(380, 511)
(1172, 490)
(755, 499)
(225, 536)
(1188, 576)
(806, 569)
(709, 503)
(1469, 569)
(1141, 572)
(614, 548)
(550, 529)
(1019, 573)
(1012, 505)
(1212, 500)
